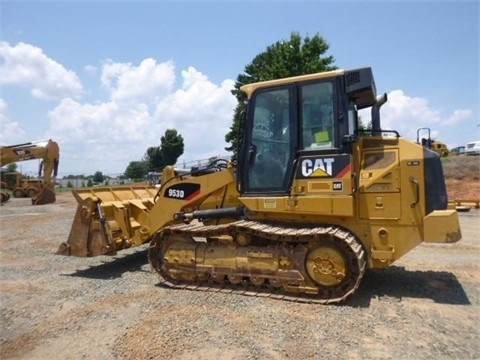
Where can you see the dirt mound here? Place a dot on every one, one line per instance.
(462, 177)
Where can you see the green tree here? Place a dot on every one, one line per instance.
(170, 149)
(212, 159)
(12, 167)
(364, 126)
(154, 158)
(171, 146)
(293, 57)
(98, 177)
(136, 169)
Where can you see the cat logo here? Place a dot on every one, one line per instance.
(324, 166)
(337, 186)
(21, 152)
(320, 167)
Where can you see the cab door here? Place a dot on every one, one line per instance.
(267, 161)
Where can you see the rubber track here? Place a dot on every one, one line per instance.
(273, 233)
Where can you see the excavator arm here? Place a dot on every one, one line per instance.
(49, 152)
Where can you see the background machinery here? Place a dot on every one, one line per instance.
(435, 145)
(457, 151)
(41, 191)
(19, 185)
(309, 205)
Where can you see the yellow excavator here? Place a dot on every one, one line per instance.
(309, 204)
(41, 192)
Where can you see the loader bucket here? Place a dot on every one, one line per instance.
(76, 244)
(44, 196)
(108, 220)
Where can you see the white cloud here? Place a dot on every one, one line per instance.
(191, 77)
(11, 131)
(407, 114)
(143, 105)
(27, 65)
(146, 82)
(144, 100)
(458, 115)
(401, 108)
(201, 111)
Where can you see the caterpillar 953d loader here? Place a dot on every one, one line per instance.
(309, 205)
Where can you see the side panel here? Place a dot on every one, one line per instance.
(442, 226)
(322, 187)
(390, 177)
(401, 197)
(379, 185)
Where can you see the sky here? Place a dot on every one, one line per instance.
(106, 79)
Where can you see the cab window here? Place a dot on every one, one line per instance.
(271, 141)
(317, 116)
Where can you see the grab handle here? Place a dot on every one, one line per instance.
(417, 191)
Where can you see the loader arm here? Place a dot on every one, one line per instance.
(116, 218)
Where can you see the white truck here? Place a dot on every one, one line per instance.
(473, 148)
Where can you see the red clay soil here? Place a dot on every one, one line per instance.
(462, 177)
(463, 189)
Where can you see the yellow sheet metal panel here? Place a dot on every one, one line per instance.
(441, 226)
(380, 206)
(250, 88)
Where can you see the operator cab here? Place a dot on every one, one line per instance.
(302, 116)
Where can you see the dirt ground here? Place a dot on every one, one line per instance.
(425, 306)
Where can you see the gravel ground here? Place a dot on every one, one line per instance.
(425, 306)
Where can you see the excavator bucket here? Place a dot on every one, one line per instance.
(104, 216)
(4, 197)
(44, 196)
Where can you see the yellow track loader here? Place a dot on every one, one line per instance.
(310, 203)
